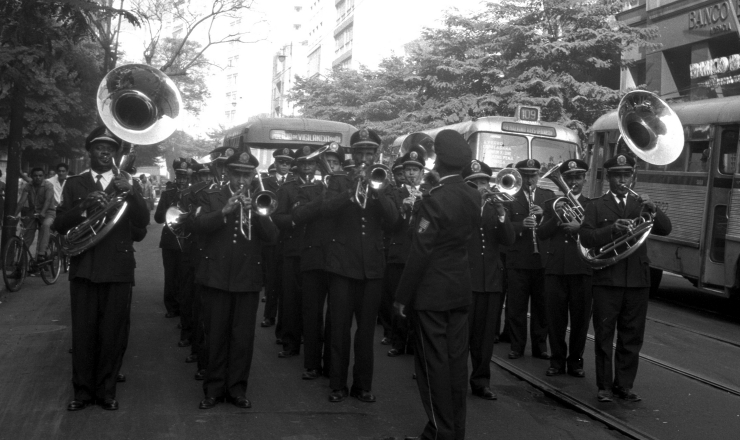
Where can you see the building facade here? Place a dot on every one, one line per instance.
(699, 56)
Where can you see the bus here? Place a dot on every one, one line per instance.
(499, 140)
(699, 191)
(263, 135)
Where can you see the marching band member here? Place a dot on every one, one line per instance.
(435, 289)
(567, 280)
(100, 277)
(525, 275)
(486, 276)
(168, 242)
(273, 252)
(314, 279)
(385, 314)
(355, 262)
(292, 235)
(231, 275)
(621, 290)
(409, 194)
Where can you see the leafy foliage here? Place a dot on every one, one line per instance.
(562, 55)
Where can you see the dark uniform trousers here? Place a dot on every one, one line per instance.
(525, 279)
(186, 296)
(401, 339)
(620, 292)
(100, 317)
(483, 317)
(291, 304)
(436, 289)
(355, 262)
(567, 291)
(273, 268)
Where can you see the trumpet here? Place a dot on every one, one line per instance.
(507, 183)
(377, 179)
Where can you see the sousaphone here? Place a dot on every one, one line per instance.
(141, 105)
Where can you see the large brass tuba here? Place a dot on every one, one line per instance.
(653, 132)
(140, 105)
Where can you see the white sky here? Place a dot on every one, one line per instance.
(259, 55)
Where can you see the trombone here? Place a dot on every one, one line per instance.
(507, 183)
(264, 204)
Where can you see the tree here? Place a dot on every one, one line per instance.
(192, 86)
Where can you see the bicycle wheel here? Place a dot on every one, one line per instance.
(15, 264)
(51, 267)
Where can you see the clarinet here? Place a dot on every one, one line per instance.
(534, 233)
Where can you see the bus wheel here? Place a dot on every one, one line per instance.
(655, 276)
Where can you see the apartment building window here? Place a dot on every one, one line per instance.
(346, 64)
(314, 62)
(236, 23)
(231, 79)
(233, 61)
(344, 9)
(343, 41)
(230, 115)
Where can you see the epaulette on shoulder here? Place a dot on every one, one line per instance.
(432, 189)
(168, 190)
(201, 188)
(213, 190)
(77, 176)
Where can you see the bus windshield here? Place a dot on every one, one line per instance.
(498, 149)
(551, 152)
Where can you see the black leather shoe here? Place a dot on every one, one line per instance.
(385, 341)
(183, 343)
(604, 396)
(485, 393)
(191, 358)
(393, 352)
(240, 402)
(310, 375)
(514, 354)
(544, 356)
(171, 315)
(77, 405)
(625, 394)
(210, 402)
(120, 378)
(200, 375)
(363, 396)
(576, 372)
(337, 396)
(552, 371)
(288, 353)
(267, 322)
(109, 405)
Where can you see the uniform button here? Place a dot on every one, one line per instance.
(566, 241)
(483, 247)
(234, 241)
(363, 233)
(363, 226)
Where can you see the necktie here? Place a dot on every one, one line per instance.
(98, 183)
(621, 203)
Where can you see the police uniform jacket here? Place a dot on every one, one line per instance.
(520, 255)
(229, 261)
(562, 256)
(355, 248)
(111, 260)
(169, 198)
(437, 272)
(601, 213)
(307, 214)
(291, 234)
(484, 251)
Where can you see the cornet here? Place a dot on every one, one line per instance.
(377, 178)
(264, 203)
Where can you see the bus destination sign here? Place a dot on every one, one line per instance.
(537, 130)
(302, 136)
(528, 113)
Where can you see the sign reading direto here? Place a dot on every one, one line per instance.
(713, 16)
(287, 135)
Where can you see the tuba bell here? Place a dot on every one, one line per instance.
(141, 105)
(174, 218)
(653, 132)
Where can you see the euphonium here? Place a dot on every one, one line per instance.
(570, 208)
(140, 105)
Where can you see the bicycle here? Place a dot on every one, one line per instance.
(17, 260)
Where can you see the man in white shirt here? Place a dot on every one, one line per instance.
(58, 182)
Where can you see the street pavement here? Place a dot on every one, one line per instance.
(160, 399)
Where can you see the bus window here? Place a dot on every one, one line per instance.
(728, 152)
(719, 230)
(497, 149)
(551, 152)
(698, 157)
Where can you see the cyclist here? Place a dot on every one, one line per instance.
(38, 206)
